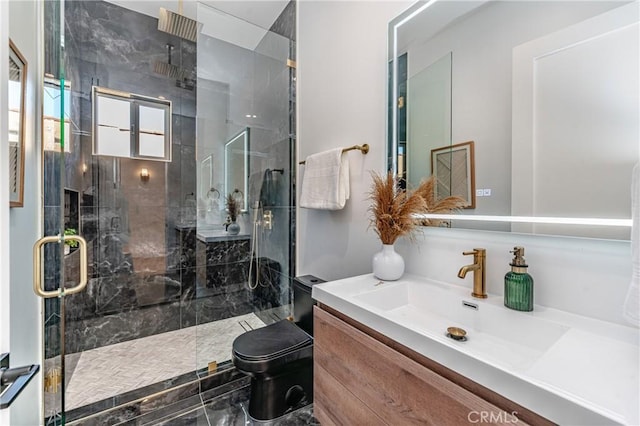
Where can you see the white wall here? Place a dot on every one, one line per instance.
(342, 74)
(585, 276)
(25, 223)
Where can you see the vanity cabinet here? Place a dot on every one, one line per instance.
(361, 376)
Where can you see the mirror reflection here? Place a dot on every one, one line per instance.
(16, 90)
(454, 169)
(236, 157)
(548, 91)
(428, 104)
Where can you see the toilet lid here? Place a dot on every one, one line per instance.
(270, 341)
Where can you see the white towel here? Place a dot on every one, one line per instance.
(631, 310)
(325, 183)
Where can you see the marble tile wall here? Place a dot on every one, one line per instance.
(145, 273)
(135, 287)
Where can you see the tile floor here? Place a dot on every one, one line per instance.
(231, 410)
(111, 370)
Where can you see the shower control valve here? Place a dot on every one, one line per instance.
(267, 219)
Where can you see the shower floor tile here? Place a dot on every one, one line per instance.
(115, 369)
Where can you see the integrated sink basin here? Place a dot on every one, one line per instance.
(495, 332)
(569, 368)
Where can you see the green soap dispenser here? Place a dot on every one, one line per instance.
(518, 284)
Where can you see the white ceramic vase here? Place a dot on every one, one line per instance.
(233, 228)
(387, 264)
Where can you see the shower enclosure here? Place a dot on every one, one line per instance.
(145, 134)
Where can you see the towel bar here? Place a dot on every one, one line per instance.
(364, 148)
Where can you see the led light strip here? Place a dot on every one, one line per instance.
(530, 219)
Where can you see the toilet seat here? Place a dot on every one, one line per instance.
(269, 347)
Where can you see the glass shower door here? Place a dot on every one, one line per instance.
(129, 333)
(245, 151)
(153, 279)
(61, 244)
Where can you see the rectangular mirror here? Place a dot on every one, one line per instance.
(16, 92)
(206, 177)
(236, 165)
(548, 91)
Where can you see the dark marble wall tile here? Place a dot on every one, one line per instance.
(177, 283)
(226, 252)
(174, 174)
(225, 305)
(119, 327)
(221, 276)
(128, 44)
(52, 168)
(272, 289)
(136, 258)
(188, 131)
(187, 243)
(285, 24)
(52, 30)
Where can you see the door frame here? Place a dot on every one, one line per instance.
(5, 287)
(21, 327)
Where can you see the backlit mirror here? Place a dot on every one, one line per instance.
(16, 91)
(548, 92)
(236, 164)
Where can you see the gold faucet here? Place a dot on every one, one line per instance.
(478, 266)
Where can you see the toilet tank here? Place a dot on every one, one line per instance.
(302, 301)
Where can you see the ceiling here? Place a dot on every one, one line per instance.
(241, 22)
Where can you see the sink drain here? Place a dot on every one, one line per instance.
(457, 334)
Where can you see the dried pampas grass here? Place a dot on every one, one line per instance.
(427, 190)
(233, 207)
(392, 209)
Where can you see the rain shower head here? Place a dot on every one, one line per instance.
(179, 25)
(168, 69)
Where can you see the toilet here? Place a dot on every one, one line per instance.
(279, 358)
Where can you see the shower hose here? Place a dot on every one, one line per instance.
(255, 246)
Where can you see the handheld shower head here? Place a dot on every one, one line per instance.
(256, 211)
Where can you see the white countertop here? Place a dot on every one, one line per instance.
(568, 368)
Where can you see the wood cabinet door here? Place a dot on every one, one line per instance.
(359, 380)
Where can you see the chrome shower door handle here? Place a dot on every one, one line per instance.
(38, 286)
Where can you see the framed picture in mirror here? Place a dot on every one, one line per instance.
(16, 94)
(454, 169)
